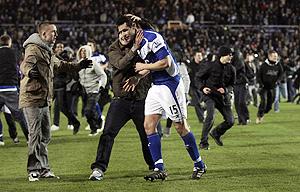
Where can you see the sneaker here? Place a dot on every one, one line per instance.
(33, 176)
(155, 175)
(216, 137)
(54, 128)
(87, 128)
(198, 172)
(93, 133)
(16, 140)
(1, 141)
(204, 146)
(259, 120)
(167, 132)
(96, 175)
(48, 174)
(70, 127)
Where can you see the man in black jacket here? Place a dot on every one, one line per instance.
(216, 81)
(196, 94)
(240, 88)
(268, 74)
(125, 105)
(9, 81)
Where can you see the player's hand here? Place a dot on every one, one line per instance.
(206, 90)
(221, 90)
(139, 67)
(131, 83)
(138, 39)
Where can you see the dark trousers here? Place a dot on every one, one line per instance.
(240, 103)
(119, 113)
(225, 111)
(196, 97)
(11, 100)
(267, 97)
(12, 129)
(90, 110)
(61, 105)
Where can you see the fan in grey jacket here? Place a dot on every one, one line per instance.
(92, 79)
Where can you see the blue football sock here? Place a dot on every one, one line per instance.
(154, 145)
(191, 147)
(99, 112)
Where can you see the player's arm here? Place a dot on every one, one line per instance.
(157, 66)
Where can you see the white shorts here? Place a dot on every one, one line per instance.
(160, 100)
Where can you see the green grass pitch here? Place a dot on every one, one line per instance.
(263, 157)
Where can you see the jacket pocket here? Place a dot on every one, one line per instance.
(33, 86)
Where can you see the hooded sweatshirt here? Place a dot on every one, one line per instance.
(268, 74)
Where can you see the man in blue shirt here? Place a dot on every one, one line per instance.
(165, 98)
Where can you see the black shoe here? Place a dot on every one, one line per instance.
(204, 146)
(198, 172)
(216, 138)
(76, 127)
(155, 175)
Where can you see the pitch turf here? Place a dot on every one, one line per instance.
(263, 157)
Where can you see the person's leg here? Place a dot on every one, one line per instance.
(167, 130)
(45, 140)
(12, 103)
(208, 123)
(277, 98)
(91, 113)
(228, 122)
(138, 119)
(196, 103)
(57, 107)
(270, 95)
(118, 108)
(33, 117)
(1, 134)
(262, 105)
(12, 129)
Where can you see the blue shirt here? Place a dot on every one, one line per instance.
(154, 48)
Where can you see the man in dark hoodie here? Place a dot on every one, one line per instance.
(216, 81)
(36, 92)
(9, 83)
(268, 74)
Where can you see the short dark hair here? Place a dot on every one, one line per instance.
(124, 19)
(42, 25)
(92, 41)
(4, 40)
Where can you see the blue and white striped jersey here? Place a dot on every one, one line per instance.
(153, 49)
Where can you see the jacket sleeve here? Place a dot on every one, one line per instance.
(64, 66)
(185, 77)
(30, 60)
(229, 87)
(101, 73)
(259, 75)
(202, 75)
(116, 58)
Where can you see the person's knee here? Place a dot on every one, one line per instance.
(149, 127)
(181, 128)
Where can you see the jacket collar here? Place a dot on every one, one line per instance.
(36, 39)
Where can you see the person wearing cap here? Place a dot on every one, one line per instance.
(216, 81)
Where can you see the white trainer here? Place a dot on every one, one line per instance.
(70, 127)
(54, 128)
